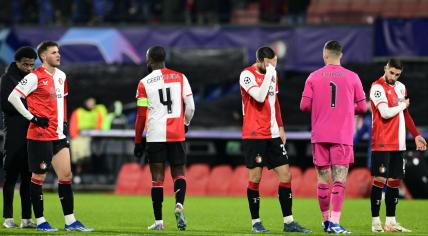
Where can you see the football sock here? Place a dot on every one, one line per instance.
(40, 220)
(69, 219)
(323, 194)
(391, 196)
(37, 197)
(253, 199)
(157, 199)
(180, 189)
(376, 197)
(285, 198)
(66, 196)
(337, 197)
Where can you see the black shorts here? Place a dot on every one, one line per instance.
(388, 164)
(40, 153)
(264, 152)
(173, 152)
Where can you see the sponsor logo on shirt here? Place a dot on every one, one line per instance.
(45, 82)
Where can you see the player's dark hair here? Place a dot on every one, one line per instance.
(395, 63)
(157, 54)
(26, 51)
(43, 47)
(265, 52)
(333, 46)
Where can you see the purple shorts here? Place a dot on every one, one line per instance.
(327, 154)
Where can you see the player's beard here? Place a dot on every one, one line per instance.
(389, 81)
(149, 68)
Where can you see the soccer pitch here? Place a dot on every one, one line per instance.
(109, 214)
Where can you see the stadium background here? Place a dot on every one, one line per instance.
(103, 46)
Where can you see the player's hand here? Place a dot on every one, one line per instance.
(407, 102)
(282, 135)
(139, 150)
(421, 144)
(66, 130)
(186, 129)
(40, 121)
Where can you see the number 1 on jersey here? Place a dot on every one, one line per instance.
(333, 94)
(168, 101)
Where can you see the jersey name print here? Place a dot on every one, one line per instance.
(164, 90)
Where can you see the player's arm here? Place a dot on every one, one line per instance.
(26, 86)
(189, 104)
(421, 144)
(306, 101)
(279, 121)
(140, 121)
(247, 81)
(360, 97)
(378, 97)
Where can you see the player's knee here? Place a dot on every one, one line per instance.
(255, 177)
(38, 177)
(158, 177)
(379, 180)
(67, 176)
(285, 177)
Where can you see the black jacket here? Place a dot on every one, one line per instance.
(15, 124)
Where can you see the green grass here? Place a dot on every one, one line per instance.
(129, 215)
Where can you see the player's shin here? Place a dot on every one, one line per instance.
(376, 197)
(253, 199)
(180, 189)
(286, 201)
(65, 194)
(391, 198)
(337, 197)
(323, 194)
(37, 199)
(157, 199)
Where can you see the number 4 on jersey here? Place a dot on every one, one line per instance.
(168, 101)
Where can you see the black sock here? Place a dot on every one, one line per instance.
(391, 200)
(37, 197)
(66, 197)
(24, 191)
(376, 198)
(180, 190)
(157, 199)
(285, 198)
(8, 192)
(253, 199)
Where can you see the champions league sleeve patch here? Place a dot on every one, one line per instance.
(247, 80)
(377, 94)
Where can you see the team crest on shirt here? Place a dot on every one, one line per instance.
(382, 169)
(258, 158)
(43, 165)
(377, 94)
(247, 80)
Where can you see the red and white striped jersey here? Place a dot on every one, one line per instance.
(259, 118)
(44, 93)
(164, 90)
(387, 134)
